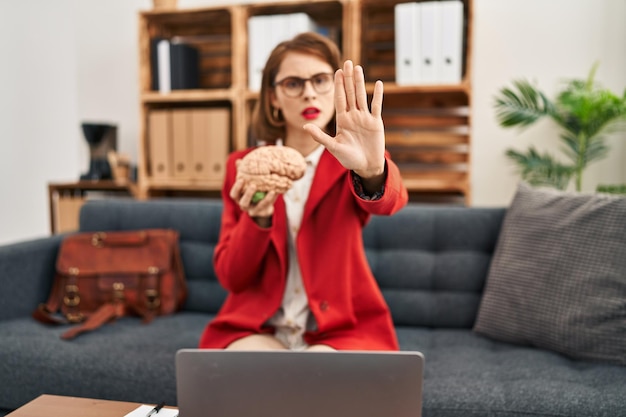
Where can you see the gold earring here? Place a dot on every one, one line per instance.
(275, 113)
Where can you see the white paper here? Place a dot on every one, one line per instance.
(143, 410)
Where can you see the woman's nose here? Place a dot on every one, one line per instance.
(308, 90)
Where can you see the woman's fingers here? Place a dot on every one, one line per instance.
(350, 92)
(359, 84)
(348, 76)
(245, 201)
(377, 100)
(319, 136)
(235, 191)
(340, 92)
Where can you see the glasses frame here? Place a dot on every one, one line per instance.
(304, 81)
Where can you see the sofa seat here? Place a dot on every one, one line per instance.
(430, 262)
(468, 375)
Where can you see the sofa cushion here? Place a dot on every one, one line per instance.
(431, 262)
(558, 276)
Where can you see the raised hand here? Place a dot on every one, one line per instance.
(359, 144)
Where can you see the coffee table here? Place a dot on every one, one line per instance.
(60, 406)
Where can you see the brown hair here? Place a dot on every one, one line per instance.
(265, 126)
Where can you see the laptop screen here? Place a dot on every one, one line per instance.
(219, 383)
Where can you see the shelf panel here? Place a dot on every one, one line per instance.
(183, 184)
(391, 87)
(187, 96)
(434, 185)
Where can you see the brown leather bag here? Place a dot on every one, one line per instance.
(105, 275)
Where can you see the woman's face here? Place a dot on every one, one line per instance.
(315, 104)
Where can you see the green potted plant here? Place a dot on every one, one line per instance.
(586, 113)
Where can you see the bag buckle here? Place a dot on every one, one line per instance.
(152, 299)
(97, 239)
(74, 317)
(71, 298)
(118, 291)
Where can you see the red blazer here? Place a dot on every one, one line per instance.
(251, 263)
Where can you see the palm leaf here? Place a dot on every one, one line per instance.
(522, 107)
(541, 170)
(585, 149)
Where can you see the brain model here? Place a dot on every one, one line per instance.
(271, 168)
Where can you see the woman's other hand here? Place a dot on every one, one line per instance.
(262, 211)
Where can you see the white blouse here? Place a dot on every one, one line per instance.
(293, 318)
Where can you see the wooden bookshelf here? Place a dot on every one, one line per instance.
(428, 127)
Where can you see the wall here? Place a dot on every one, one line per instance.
(39, 139)
(545, 42)
(76, 60)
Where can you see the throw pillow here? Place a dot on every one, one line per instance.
(558, 275)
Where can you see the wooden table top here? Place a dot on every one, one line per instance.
(60, 406)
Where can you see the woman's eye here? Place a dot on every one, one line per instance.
(292, 83)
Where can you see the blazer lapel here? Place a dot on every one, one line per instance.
(328, 172)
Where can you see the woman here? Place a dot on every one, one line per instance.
(294, 265)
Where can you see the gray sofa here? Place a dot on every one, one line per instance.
(431, 263)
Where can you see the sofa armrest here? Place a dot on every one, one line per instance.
(26, 275)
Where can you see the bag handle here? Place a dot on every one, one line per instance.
(107, 312)
(101, 239)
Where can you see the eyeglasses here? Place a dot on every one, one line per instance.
(294, 86)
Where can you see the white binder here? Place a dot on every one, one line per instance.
(451, 41)
(298, 23)
(407, 43)
(258, 49)
(264, 33)
(430, 63)
(164, 71)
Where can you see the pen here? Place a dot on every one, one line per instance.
(156, 409)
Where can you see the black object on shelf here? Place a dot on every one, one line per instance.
(101, 139)
(184, 65)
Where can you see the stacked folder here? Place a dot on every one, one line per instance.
(429, 42)
(189, 143)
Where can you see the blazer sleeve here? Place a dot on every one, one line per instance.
(242, 244)
(395, 195)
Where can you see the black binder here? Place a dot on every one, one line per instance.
(184, 65)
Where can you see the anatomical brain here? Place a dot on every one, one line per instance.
(271, 168)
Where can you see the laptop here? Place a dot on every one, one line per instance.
(219, 383)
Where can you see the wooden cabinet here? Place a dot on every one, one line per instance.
(66, 199)
(427, 126)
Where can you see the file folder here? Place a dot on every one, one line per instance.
(181, 143)
(430, 63)
(210, 135)
(451, 42)
(159, 143)
(407, 43)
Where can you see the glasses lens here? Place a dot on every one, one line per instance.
(293, 86)
(322, 82)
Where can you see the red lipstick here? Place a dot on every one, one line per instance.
(310, 113)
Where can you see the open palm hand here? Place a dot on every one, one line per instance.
(359, 143)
